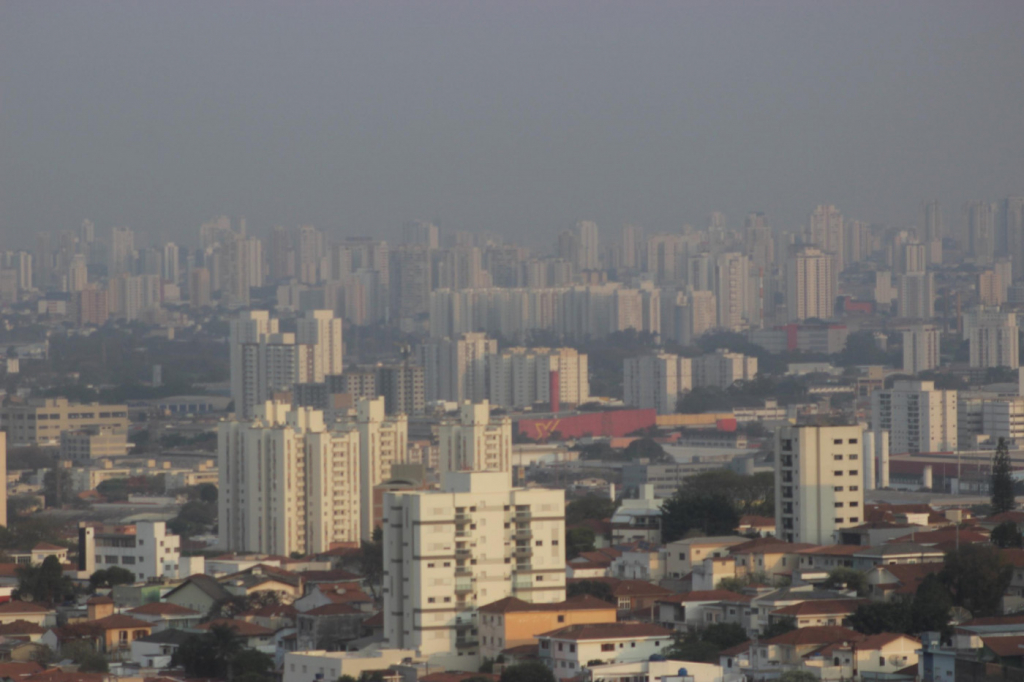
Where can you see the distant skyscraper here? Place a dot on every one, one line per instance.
(993, 338)
(171, 269)
(920, 349)
(1013, 228)
(588, 241)
(456, 370)
(732, 273)
(78, 273)
(809, 284)
(916, 295)
(199, 288)
(308, 250)
(826, 232)
(632, 240)
(981, 231)
(122, 249)
(421, 233)
(933, 227)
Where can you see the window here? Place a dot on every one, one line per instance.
(837, 457)
(855, 504)
(572, 648)
(839, 504)
(839, 472)
(838, 520)
(853, 472)
(852, 441)
(682, 556)
(561, 619)
(837, 441)
(559, 646)
(852, 457)
(854, 519)
(838, 488)
(607, 647)
(545, 644)
(854, 488)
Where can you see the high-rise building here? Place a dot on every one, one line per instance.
(810, 290)
(450, 551)
(1013, 229)
(403, 387)
(281, 255)
(411, 281)
(308, 251)
(456, 370)
(732, 290)
(981, 231)
(920, 349)
(587, 256)
(918, 417)
(78, 273)
(122, 251)
(818, 482)
(934, 231)
(421, 233)
(520, 377)
(993, 338)
(199, 288)
(916, 296)
(722, 369)
(288, 483)
(475, 441)
(826, 232)
(264, 361)
(383, 442)
(656, 381)
(171, 257)
(632, 243)
(91, 306)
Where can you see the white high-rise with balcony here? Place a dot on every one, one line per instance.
(655, 381)
(475, 441)
(810, 284)
(918, 417)
(920, 349)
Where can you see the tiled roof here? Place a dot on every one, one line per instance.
(22, 607)
(599, 631)
(705, 596)
(332, 610)
(831, 550)
(243, 628)
(119, 621)
(14, 670)
(47, 547)
(1005, 646)
(513, 605)
(821, 607)
(20, 627)
(160, 608)
(825, 634)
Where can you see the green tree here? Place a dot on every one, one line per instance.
(589, 507)
(371, 560)
(1002, 480)
(704, 645)
(779, 626)
(1006, 535)
(725, 635)
(798, 676)
(847, 578)
(45, 583)
(594, 588)
(85, 655)
(710, 513)
(57, 487)
(876, 617)
(930, 608)
(527, 671)
(977, 576)
(577, 541)
(646, 448)
(109, 577)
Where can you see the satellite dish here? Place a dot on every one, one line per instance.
(959, 615)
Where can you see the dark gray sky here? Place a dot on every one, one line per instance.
(516, 117)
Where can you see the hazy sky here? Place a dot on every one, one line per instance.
(516, 117)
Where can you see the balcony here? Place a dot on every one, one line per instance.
(524, 533)
(463, 571)
(523, 550)
(466, 642)
(463, 585)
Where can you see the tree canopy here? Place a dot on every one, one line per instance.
(709, 513)
(589, 507)
(976, 577)
(594, 588)
(45, 583)
(527, 671)
(109, 577)
(1002, 480)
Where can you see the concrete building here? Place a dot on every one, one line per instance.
(403, 386)
(722, 369)
(93, 443)
(456, 369)
(41, 421)
(520, 377)
(916, 296)
(588, 253)
(810, 284)
(474, 441)
(732, 290)
(918, 417)
(818, 482)
(1003, 418)
(920, 349)
(383, 442)
(287, 483)
(656, 381)
(473, 542)
(512, 622)
(199, 295)
(567, 651)
(145, 548)
(993, 336)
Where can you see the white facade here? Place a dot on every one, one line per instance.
(810, 284)
(383, 442)
(1003, 418)
(732, 272)
(475, 541)
(287, 484)
(916, 295)
(150, 552)
(722, 369)
(568, 650)
(993, 338)
(456, 369)
(474, 441)
(920, 349)
(918, 417)
(520, 377)
(818, 482)
(656, 381)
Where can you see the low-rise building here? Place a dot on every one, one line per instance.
(568, 650)
(146, 549)
(512, 622)
(41, 421)
(94, 442)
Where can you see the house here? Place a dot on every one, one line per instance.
(303, 666)
(690, 610)
(884, 654)
(894, 553)
(23, 650)
(593, 564)
(885, 582)
(335, 593)
(665, 671)
(756, 526)
(568, 650)
(788, 650)
(156, 650)
(638, 560)
(263, 578)
(23, 630)
(1007, 650)
(272, 617)
(638, 519)
(827, 558)
(763, 605)
(198, 593)
(511, 622)
(945, 537)
(682, 556)
(253, 636)
(114, 634)
(329, 627)
(17, 670)
(632, 597)
(770, 557)
(817, 612)
(164, 615)
(27, 611)
(38, 554)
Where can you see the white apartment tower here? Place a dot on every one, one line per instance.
(475, 441)
(655, 381)
(993, 338)
(588, 255)
(722, 369)
(456, 370)
(916, 295)
(473, 542)
(818, 482)
(520, 377)
(920, 349)
(918, 417)
(810, 288)
(287, 483)
(383, 442)
(732, 290)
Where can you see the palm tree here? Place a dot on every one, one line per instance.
(226, 645)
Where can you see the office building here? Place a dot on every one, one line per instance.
(287, 483)
(475, 441)
(456, 369)
(471, 543)
(1013, 230)
(810, 284)
(918, 417)
(520, 377)
(83, 445)
(421, 233)
(656, 381)
(920, 349)
(818, 482)
(122, 251)
(993, 337)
